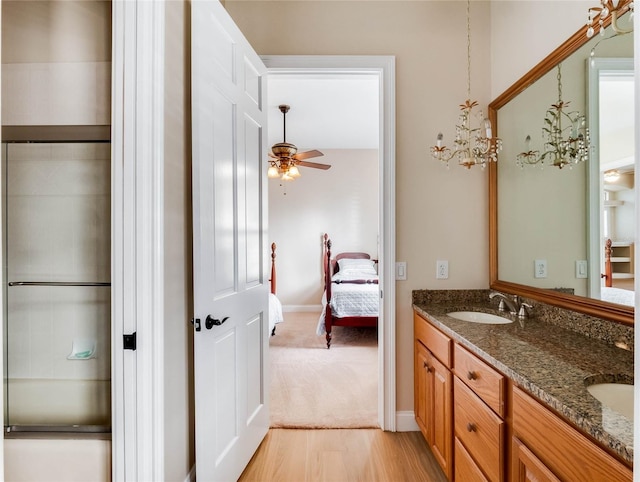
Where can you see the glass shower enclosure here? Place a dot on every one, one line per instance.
(56, 196)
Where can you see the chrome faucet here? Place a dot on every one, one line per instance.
(512, 304)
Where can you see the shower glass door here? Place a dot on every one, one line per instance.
(57, 227)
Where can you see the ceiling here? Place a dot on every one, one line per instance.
(328, 111)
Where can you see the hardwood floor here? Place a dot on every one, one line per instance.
(342, 455)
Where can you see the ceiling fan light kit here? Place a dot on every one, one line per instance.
(285, 159)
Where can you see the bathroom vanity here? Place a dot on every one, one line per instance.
(510, 401)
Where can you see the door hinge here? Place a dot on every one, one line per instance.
(129, 341)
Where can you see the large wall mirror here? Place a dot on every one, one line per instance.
(548, 226)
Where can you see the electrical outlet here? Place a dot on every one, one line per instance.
(401, 270)
(581, 268)
(442, 269)
(540, 268)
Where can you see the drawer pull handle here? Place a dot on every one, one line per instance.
(471, 427)
(426, 365)
(471, 375)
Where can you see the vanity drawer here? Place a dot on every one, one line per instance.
(480, 430)
(466, 468)
(437, 342)
(485, 381)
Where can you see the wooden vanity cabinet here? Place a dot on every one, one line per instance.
(433, 391)
(482, 428)
(546, 448)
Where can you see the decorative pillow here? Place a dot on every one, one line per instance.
(362, 266)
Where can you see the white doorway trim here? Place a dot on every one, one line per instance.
(384, 68)
(137, 302)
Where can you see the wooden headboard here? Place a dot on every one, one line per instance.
(333, 262)
(335, 267)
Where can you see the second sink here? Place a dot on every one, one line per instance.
(615, 396)
(479, 317)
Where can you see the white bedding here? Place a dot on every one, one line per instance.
(350, 299)
(275, 312)
(617, 295)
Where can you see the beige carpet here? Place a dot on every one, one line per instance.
(312, 387)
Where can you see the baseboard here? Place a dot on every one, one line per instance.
(406, 422)
(191, 476)
(302, 308)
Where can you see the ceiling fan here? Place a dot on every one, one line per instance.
(285, 158)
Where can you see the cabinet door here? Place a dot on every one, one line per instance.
(422, 390)
(442, 396)
(433, 405)
(527, 467)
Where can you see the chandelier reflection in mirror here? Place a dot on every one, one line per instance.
(472, 145)
(566, 134)
(609, 10)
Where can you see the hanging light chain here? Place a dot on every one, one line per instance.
(559, 77)
(469, 49)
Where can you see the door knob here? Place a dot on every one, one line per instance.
(211, 322)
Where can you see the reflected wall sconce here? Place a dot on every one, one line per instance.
(472, 145)
(566, 133)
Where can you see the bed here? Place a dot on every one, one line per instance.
(351, 296)
(275, 307)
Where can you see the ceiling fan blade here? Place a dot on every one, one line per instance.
(307, 155)
(315, 165)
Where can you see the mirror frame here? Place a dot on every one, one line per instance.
(590, 306)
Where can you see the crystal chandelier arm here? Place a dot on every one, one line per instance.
(614, 24)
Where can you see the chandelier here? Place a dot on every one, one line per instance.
(472, 145)
(615, 8)
(566, 133)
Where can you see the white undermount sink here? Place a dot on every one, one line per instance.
(614, 396)
(479, 317)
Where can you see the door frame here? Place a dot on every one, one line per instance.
(137, 236)
(384, 68)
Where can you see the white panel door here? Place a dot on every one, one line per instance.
(229, 258)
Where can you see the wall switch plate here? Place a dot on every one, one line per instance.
(442, 269)
(401, 270)
(540, 268)
(581, 268)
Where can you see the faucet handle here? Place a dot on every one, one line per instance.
(524, 310)
(501, 306)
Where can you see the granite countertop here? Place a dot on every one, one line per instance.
(549, 362)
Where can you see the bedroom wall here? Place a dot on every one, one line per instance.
(342, 201)
(440, 213)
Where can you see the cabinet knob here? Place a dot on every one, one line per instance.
(471, 427)
(471, 375)
(426, 365)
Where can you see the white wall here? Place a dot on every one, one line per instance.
(341, 201)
